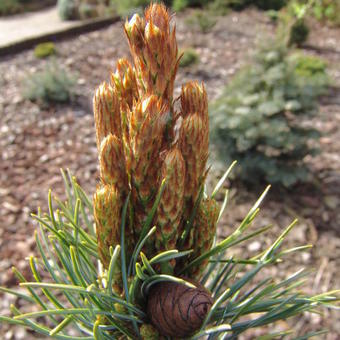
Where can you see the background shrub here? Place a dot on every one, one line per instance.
(179, 5)
(235, 4)
(124, 7)
(51, 85)
(299, 32)
(269, 4)
(44, 50)
(219, 6)
(311, 72)
(87, 11)
(8, 7)
(292, 23)
(201, 20)
(190, 57)
(258, 120)
(327, 10)
(241, 4)
(67, 9)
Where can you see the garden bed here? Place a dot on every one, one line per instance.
(37, 142)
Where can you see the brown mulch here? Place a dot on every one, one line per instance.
(35, 143)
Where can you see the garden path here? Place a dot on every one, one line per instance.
(22, 31)
(21, 27)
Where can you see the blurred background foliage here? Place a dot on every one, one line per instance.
(53, 84)
(87, 9)
(9, 7)
(327, 10)
(324, 10)
(45, 50)
(189, 57)
(260, 119)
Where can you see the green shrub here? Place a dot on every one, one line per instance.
(273, 15)
(311, 71)
(241, 4)
(51, 85)
(128, 6)
(269, 4)
(309, 65)
(67, 9)
(87, 11)
(292, 25)
(299, 32)
(220, 6)
(201, 20)
(258, 119)
(45, 50)
(327, 10)
(124, 7)
(8, 7)
(190, 57)
(179, 5)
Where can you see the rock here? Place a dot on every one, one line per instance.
(11, 207)
(254, 246)
(332, 202)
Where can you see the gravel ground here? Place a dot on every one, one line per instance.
(35, 143)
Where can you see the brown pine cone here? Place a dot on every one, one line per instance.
(177, 310)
